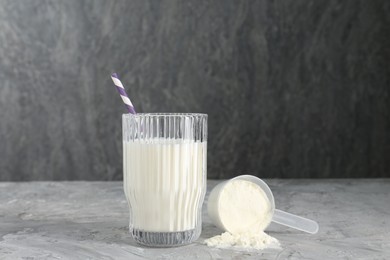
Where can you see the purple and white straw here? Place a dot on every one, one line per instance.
(122, 92)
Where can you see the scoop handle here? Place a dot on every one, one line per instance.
(294, 221)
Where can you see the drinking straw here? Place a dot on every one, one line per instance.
(122, 92)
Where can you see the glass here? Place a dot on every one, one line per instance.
(164, 176)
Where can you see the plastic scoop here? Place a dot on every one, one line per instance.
(278, 216)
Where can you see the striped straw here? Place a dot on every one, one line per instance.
(122, 92)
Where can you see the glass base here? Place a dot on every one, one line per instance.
(164, 239)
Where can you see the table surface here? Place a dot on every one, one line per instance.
(88, 220)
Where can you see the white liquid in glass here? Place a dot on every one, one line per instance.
(164, 183)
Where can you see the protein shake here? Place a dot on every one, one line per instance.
(164, 159)
(163, 182)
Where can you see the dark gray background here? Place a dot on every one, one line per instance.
(292, 88)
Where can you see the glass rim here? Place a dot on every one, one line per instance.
(128, 115)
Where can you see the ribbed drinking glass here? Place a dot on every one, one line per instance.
(164, 176)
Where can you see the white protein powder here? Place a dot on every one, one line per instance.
(244, 211)
(245, 240)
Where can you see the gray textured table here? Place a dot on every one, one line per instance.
(88, 220)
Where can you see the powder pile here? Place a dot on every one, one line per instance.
(245, 240)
